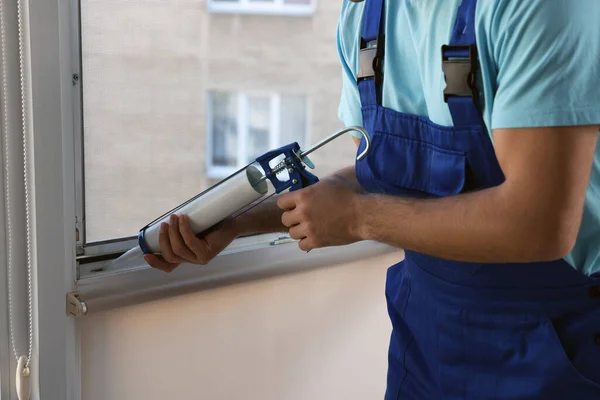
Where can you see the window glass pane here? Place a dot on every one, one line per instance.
(163, 87)
(224, 129)
(293, 121)
(142, 104)
(258, 127)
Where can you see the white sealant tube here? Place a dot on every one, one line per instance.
(211, 207)
(216, 204)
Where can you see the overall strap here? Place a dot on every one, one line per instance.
(460, 64)
(371, 53)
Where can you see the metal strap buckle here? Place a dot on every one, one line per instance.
(368, 61)
(460, 73)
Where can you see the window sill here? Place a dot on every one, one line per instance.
(254, 261)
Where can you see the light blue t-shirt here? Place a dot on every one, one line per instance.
(540, 66)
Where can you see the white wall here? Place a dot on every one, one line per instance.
(321, 334)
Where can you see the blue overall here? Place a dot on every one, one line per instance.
(468, 330)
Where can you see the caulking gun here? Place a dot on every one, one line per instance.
(241, 191)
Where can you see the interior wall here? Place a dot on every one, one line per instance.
(321, 334)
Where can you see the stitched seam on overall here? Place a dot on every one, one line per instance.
(408, 345)
(405, 370)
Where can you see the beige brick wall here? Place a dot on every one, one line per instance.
(148, 65)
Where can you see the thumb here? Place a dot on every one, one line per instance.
(287, 201)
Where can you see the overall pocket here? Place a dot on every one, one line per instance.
(410, 167)
(505, 356)
(573, 339)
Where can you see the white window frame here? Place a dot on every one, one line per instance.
(243, 106)
(275, 7)
(55, 372)
(56, 136)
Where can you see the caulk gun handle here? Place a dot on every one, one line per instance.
(306, 179)
(299, 177)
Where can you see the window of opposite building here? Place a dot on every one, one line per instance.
(242, 126)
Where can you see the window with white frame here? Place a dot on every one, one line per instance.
(290, 7)
(243, 126)
(165, 105)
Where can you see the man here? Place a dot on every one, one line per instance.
(485, 170)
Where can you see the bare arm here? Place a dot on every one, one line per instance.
(533, 216)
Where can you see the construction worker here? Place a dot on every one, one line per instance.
(484, 117)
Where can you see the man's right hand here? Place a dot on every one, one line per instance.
(179, 245)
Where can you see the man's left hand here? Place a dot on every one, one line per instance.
(322, 215)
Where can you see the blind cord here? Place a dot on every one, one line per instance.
(23, 361)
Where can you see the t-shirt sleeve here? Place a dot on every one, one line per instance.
(547, 56)
(349, 110)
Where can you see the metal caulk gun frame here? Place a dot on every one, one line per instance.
(295, 162)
